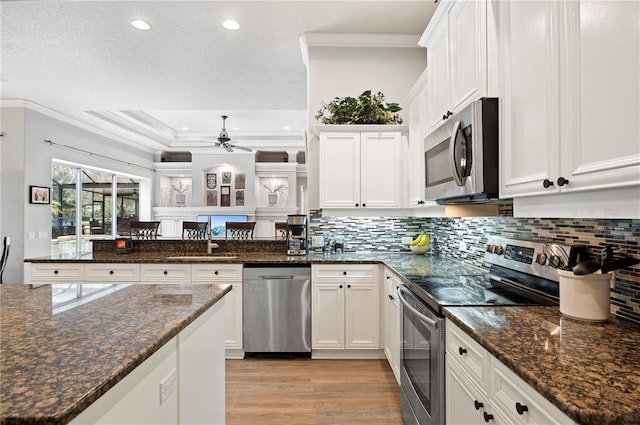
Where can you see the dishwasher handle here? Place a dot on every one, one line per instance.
(276, 277)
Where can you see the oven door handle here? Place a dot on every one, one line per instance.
(428, 320)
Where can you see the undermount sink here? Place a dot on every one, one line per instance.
(203, 257)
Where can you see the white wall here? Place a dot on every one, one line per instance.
(348, 71)
(26, 160)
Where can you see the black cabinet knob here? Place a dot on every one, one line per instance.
(478, 405)
(421, 202)
(487, 417)
(357, 205)
(547, 183)
(364, 205)
(562, 181)
(444, 116)
(521, 408)
(165, 272)
(449, 113)
(216, 272)
(462, 350)
(391, 297)
(344, 273)
(348, 286)
(55, 272)
(340, 286)
(388, 277)
(110, 271)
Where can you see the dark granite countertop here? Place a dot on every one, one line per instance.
(55, 361)
(588, 370)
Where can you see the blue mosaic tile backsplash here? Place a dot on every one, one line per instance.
(385, 234)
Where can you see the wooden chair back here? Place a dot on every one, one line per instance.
(6, 246)
(144, 229)
(239, 230)
(194, 230)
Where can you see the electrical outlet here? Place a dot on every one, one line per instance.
(43, 235)
(406, 240)
(168, 385)
(317, 241)
(32, 235)
(463, 246)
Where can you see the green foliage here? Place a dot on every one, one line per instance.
(366, 109)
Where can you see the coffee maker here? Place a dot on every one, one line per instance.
(297, 243)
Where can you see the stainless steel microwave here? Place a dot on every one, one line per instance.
(461, 156)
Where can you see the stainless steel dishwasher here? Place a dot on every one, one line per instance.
(276, 309)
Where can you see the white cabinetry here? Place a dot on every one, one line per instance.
(165, 273)
(457, 48)
(227, 274)
(54, 272)
(569, 99)
(360, 169)
(170, 228)
(392, 322)
(480, 388)
(345, 307)
(99, 272)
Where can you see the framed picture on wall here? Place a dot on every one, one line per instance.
(240, 181)
(212, 180)
(39, 195)
(239, 198)
(212, 198)
(226, 177)
(225, 196)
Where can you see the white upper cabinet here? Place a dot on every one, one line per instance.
(569, 96)
(457, 46)
(360, 169)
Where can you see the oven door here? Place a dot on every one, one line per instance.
(422, 362)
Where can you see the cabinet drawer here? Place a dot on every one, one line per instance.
(332, 273)
(519, 401)
(216, 272)
(55, 272)
(165, 273)
(470, 355)
(112, 273)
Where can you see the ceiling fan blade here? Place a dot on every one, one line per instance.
(242, 148)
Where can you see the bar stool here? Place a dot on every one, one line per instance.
(194, 230)
(6, 246)
(144, 229)
(239, 229)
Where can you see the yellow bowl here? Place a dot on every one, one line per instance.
(420, 250)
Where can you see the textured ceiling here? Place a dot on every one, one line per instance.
(76, 57)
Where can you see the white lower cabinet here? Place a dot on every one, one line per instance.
(165, 273)
(345, 307)
(99, 272)
(479, 388)
(392, 322)
(54, 272)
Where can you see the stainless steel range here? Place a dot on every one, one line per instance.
(522, 272)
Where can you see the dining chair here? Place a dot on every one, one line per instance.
(239, 230)
(281, 229)
(6, 246)
(194, 230)
(144, 229)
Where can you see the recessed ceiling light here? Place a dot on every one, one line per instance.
(141, 25)
(231, 25)
(286, 127)
(185, 128)
(235, 128)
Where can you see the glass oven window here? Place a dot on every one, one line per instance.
(417, 356)
(437, 164)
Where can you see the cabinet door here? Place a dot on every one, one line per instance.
(72, 272)
(416, 151)
(112, 272)
(170, 228)
(392, 324)
(601, 87)
(362, 315)
(462, 398)
(327, 315)
(165, 273)
(438, 77)
(233, 318)
(529, 100)
(381, 170)
(340, 170)
(467, 52)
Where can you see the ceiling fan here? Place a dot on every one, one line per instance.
(224, 139)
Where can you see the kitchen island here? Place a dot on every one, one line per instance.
(104, 356)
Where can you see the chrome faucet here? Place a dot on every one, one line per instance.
(210, 244)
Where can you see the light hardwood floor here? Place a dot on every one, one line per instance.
(311, 392)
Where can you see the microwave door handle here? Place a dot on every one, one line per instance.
(422, 317)
(452, 154)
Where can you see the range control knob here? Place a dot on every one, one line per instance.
(541, 258)
(498, 250)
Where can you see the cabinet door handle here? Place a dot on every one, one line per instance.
(216, 272)
(390, 297)
(449, 113)
(165, 272)
(462, 350)
(521, 408)
(340, 286)
(444, 117)
(344, 273)
(487, 417)
(478, 405)
(547, 183)
(364, 205)
(562, 181)
(110, 271)
(357, 205)
(55, 272)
